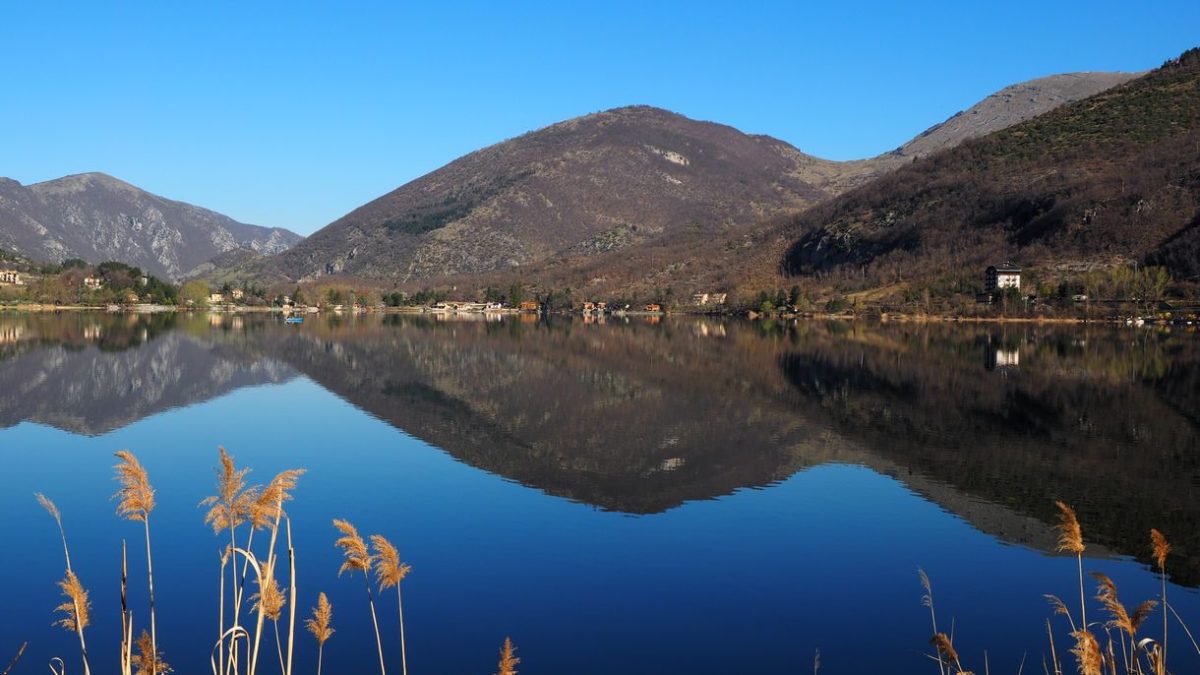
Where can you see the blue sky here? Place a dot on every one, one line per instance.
(292, 114)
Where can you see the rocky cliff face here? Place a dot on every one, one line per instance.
(97, 218)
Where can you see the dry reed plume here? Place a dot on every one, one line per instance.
(77, 610)
(321, 626)
(1088, 657)
(135, 501)
(1070, 540)
(1161, 549)
(148, 661)
(236, 504)
(389, 572)
(508, 659)
(357, 558)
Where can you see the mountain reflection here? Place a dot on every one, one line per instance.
(989, 422)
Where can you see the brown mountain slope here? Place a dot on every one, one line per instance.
(1105, 181)
(1010, 106)
(602, 182)
(97, 218)
(633, 199)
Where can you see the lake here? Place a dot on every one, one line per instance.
(634, 496)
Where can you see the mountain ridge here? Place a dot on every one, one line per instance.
(610, 190)
(97, 217)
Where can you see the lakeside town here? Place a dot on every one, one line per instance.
(1004, 292)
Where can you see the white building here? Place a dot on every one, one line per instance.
(1004, 276)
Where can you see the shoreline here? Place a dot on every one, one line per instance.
(882, 317)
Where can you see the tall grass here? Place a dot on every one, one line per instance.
(389, 572)
(1124, 649)
(321, 626)
(357, 558)
(135, 502)
(237, 510)
(78, 608)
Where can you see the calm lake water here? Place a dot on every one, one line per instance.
(690, 496)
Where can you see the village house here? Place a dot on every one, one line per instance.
(1002, 277)
(238, 294)
(702, 299)
(216, 299)
(93, 283)
(653, 307)
(528, 306)
(11, 278)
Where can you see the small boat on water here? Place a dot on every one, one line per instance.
(294, 319)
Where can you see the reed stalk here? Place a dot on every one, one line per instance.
(13, 664)
(356, 558)
(320, 625)
(228, 509)
(71, 586)
(135, 502)
(1070, 540)
(126, 616)
(291, 598)
(927, 600)
(389, 572)
(1162, 549)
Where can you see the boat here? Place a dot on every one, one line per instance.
(294, 319)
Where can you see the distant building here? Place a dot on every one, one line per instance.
(216, 299)
(93, 283)
(11, 277)
(653, 307)
(528, 306)
(703, 299)
(238, 294)
(1002, 277)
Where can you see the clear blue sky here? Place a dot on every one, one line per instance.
(292, 114)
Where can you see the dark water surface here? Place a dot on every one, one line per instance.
(683, 497)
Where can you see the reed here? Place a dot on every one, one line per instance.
(228, 509)
(79, 606)
(356, 558)
(1070, 540)
(927, 600)
(135, 502)
(1161, 549)
(321, 626)
(149, 661)
(944, 646)
(389, 572)
(77, 611)
(16, 659)
(272, 497)
(508, 659)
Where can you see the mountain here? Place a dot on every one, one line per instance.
(1103, 182)
(604, 199)
(97, 218)
(603, 182)
(1010, 106)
